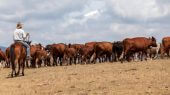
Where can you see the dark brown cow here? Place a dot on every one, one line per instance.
(137, 44)
(117, 50)
(3, 57)
(17, 56)
(70, 54)
(165, 46)
(103, 50)
(57, 51)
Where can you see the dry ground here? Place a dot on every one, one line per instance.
(135, 78)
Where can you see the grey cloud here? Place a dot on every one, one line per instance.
(50, 21)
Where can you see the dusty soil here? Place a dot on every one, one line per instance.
(134, 78)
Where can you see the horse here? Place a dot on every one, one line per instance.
(18, 57)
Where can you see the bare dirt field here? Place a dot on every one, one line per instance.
(134, 78)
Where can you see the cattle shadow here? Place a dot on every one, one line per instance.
(9, 76)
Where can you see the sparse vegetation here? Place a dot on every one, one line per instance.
(129, 78)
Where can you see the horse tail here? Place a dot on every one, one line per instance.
(12, 55)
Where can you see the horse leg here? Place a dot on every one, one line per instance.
(16, 62)
(23, 65)
(13, 67)
(19, 65)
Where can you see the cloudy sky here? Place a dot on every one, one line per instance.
(80, 21)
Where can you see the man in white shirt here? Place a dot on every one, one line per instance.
(20, 36)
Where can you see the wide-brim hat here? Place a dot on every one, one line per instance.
(19, 25)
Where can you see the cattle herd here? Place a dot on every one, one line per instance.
(130, 49)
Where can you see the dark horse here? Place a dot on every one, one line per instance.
(17, 56)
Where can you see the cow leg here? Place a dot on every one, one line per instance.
(110, 57)
(88, 60)
(75, 60)
(80, 58)
(36, 62)
(94, 58)
(45, 62)
(39, 63)
(145, 54)
(70, 61)
(27, 64)
(60, 61)
(167, 51)
(123, 55)
(33, 63)
(54, 61)
(9, 63)
(141, 54)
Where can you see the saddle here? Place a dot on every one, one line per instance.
(28, 42)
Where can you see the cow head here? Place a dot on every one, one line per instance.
(48, 47)
(153, 42)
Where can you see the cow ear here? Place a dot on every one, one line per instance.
(153, 38)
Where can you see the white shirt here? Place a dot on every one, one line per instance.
(19, 34)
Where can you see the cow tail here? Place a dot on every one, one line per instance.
(163, 43)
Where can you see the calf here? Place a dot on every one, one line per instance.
(40, 56)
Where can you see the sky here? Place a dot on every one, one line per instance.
(80, 21)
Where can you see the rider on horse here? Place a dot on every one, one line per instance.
(21, 37)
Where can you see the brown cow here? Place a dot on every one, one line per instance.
(137, 44)
(91, 44)
(165, 46)
(103, 50)
(57, 51)
(78, 47)
(17, 56)
(86, 53)
(3, 57)
(33, 49)
(40, 56)
(7, 53)
(70, 54)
